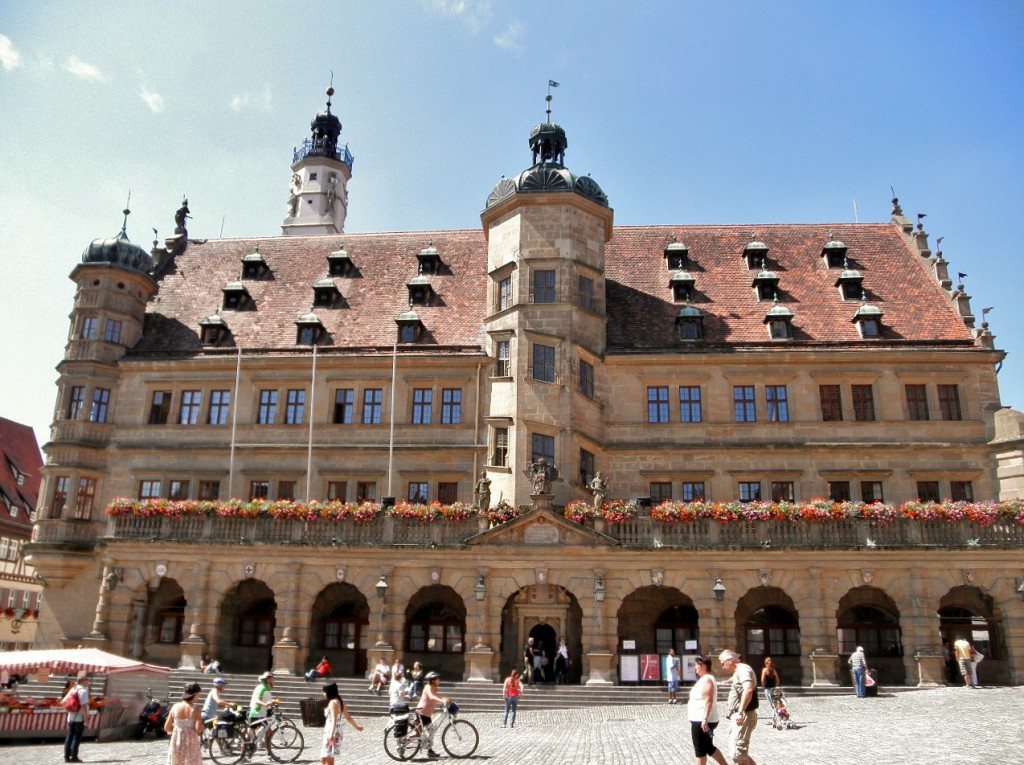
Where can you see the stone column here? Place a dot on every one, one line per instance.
(818, 641)
(98, 638)
(138, 627)
(920, 630)
(194, 646)
(286, 658)
(481, 659)
(600, 667)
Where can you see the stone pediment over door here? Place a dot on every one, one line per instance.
(541, 528)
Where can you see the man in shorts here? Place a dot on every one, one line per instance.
(742, 705)
(964, 652)
(674, 667)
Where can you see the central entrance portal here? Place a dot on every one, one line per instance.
(546, 613)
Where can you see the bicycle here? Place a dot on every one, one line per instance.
(232, 740)
(459, 738)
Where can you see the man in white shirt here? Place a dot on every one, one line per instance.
(76, 718)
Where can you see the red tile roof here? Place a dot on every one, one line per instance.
(641, 313)
(19, 455)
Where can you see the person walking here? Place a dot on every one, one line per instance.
(511, 690)
(528, 653)
(674, 670)
(562, 662)
(702, 713)
(963, 651)
(185, 724)
(769, 679)
(76, 716)
(336, 709)
(859, 667)
(742, 705)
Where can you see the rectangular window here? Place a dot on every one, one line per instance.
(268, 407)
(191, 400)
(503, 368)
(778, 403)
(586, 287)
(961, 491)
(586, 467)
(344, 400)
(693, 491)
(657, 404)
(295, 407)
(689, 403)
(418, 491)
(177, 490)
(917, 402)
(220, 406)
(160, 408)
(337, 491)
(839, 491)
(500, 456)
(366, 491)
(542, 446)
(871, 491)
(660, 491)
(77, 402)
(782, 491)
(543, 363)
(89, 328)
(543, 286)
(169, 627)
(286, 489)
(422, 404)
(505, 293)
(61, 487)
(259, 489)
(863, 403)
(149, 490)
(586, 381)
(928, 491)
(451, 406)
(831, 403)
(209, 490)
(447, 492)
(949, 402)
(750, 491)
(743, 403)
(100, 402)
(112, 331)
(372, 398)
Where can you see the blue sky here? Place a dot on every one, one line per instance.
(684, 112)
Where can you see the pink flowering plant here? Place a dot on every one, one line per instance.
(618, 511)
(503, 512)
(579, 511)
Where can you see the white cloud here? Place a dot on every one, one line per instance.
(263, 100)
(83, 70)
(9, 57)
(509, 39)
(474, 13)
(153, 100)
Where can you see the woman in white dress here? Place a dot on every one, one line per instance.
(336, 709)
(702, 712)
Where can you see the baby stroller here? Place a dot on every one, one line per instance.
(780, 708)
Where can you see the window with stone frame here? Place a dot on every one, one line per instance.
(337, 491)
(744, 406)
(782, 491)
(220, 407)
(372, 404)
(543, 363)
(366, 491)
(831, 403)
(503, 351)
(447, 492)
(949, 402)
(839, 491)
(150, 488)
(544, 286)
(160, 407)
(100, 405)
(917, 402)
(692, 491)
(871, 491)
(418, 492)
(586, 293)
(505, 297)
(112, 331)
(750, 491)
(344, 402)
(295, 406)
(863, 403)
(61, 488)
(451, 406)
(659, 491)
(434, 629)
(657, 404)
(267, 413)
(89, 328)
(191, 401)
(499, 455)
(256, 625)
(690, 404)
(928, 491)
(586, 379)
(209, 490)
(422, 405)
(76, 401)
(586, 467)
(170, 621)
(286, 490)
(177, 489)
(542, 446)
(961, 491)
(86, 498)
(777, 403)
(259, 490)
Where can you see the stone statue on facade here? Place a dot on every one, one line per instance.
(180, 217)
(599, 488)
(541, 474)
(482, 494)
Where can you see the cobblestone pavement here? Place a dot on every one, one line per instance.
(951, 726)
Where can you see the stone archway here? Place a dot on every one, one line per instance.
(768, 624)
(547, 612)
(338, 627)
(658, 618)
(164, 623)
(434, 632)
(967, 611)
(869, 618)
(245, 627)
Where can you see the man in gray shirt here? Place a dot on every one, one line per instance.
(742, 705)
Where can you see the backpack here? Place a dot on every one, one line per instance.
(71, 702)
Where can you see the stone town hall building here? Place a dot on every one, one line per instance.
(735, 362)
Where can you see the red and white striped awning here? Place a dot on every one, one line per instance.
(65, 661)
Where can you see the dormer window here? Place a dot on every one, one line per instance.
(420, 290)
(850, 283)
(326, 294)
(310, 329)
(767, 285)
(410, 328)
(254, 266)
(869, 320)
(430, 261)
(690, 322)
(834, 253)
(236, 297)
(340, 264)
(756, 255)
(780, 322)
(682, 286)
(213, 330)
(677, 256)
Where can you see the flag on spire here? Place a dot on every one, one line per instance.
(985, 311)
(552, 84)
(961, 275)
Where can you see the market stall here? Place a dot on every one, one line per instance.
(118, 691)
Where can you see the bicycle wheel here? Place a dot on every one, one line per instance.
(401, 749)
(460, 738)
(226, 751)
(286, 743)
